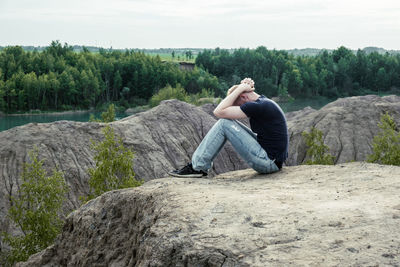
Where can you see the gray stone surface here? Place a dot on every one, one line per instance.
(348, 126)
(342, 215)
(163, 139)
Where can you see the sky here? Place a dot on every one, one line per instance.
(278, 24)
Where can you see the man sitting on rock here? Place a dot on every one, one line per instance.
(264, 147)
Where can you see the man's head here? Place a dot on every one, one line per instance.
(243, 98)
(246, 96)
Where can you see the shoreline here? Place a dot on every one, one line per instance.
(50, 113)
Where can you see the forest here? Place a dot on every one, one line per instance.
(59, 78)
(339, 73)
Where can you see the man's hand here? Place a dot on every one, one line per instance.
(244, 87)
(248, 81)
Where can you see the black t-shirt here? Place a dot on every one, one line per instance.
(268, 121)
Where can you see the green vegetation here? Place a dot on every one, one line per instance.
(106, 116)
(35, 210)
(339, 73)
(114, 166)
(386, 145)
(58, 78)
(179, 93)
(169, 92)
(317, 151)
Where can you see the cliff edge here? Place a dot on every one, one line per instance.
(342, 215)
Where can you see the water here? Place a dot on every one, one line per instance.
(7, 122)
(299, 104)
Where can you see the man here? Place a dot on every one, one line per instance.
(264, 147)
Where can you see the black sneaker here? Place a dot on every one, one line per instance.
(187, 172)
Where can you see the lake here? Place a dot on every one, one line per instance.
(10, 121)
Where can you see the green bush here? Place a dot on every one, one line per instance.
(109, 115)
(386, 145)
(169, 92)
(179, 93)
(114, 166)
(106, 116)
(35, 210)
(204, 97)
(317, 151)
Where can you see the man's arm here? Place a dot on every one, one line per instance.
(226, 110)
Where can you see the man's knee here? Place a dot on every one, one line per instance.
(224, 122)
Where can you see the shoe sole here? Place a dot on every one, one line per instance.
(186, 176)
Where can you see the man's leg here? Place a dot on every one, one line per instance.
(242, 140)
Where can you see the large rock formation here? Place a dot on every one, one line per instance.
(348, 126)
(163, 139)
(343, 215)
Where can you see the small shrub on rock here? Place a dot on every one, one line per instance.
(114, 166)
(317, 151)
(106, 116)
(386, 145)
(35, 210)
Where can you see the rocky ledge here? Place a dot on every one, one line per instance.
(342, 215)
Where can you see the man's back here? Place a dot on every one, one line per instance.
(268, 121)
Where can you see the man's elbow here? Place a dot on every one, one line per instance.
(218, 113)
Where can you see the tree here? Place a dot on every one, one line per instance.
(188, 54)
(169, 92)
(117, 85)
(386, 145)
(109, 115)
(55, 87)
(30, 86)
(114, 166)
(35, 210)
(317, 152)
(2, 93)
(106, 116)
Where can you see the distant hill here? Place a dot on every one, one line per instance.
(196, 51)
(80, 48)
(316, 51)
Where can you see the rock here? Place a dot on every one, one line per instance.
(340, 215)
(299, 113)
(348, 126)
(131, 111)
(163, 139)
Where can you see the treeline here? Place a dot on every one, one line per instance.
(333, 74)
(60, 79)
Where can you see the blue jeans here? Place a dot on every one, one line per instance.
(242, 139)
